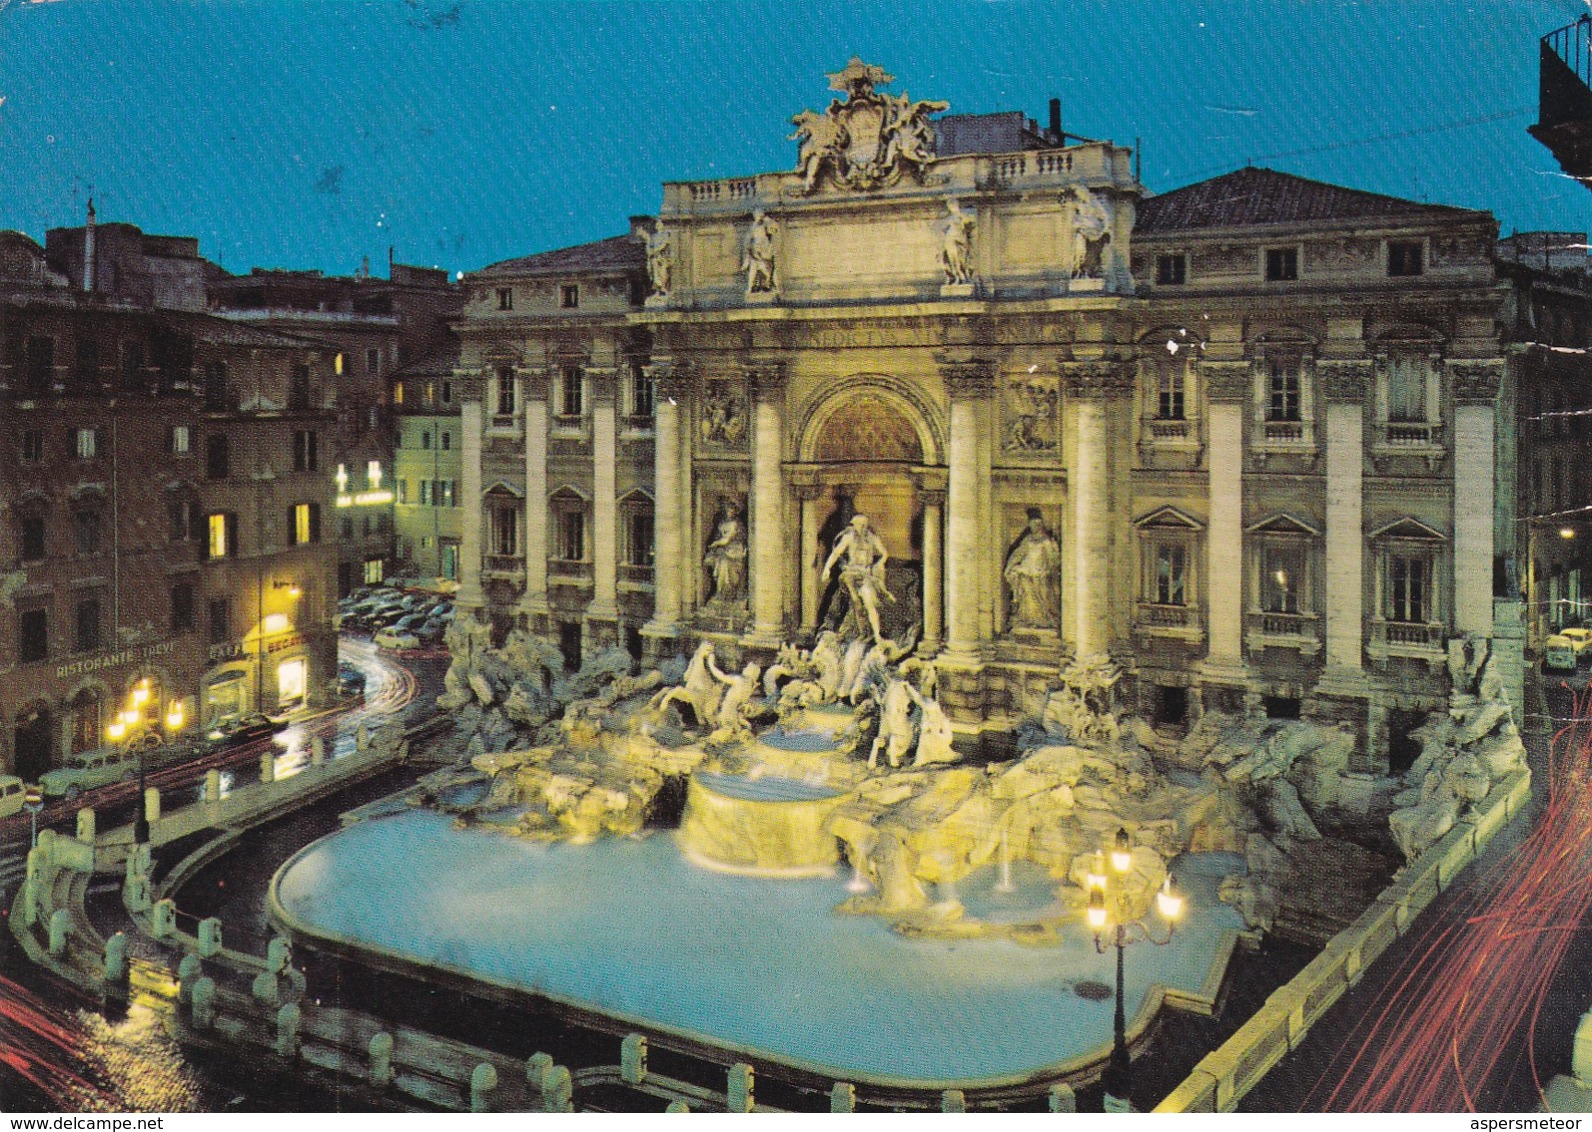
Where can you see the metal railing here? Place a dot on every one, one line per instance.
(1566, 74)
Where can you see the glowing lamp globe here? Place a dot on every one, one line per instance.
(1095, 878)
(1097, 909)
(1169, 900)
(1122, 853)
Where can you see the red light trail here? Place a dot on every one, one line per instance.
(1447, 1030)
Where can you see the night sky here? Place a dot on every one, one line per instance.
(313, 134)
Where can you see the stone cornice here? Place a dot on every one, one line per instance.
(671, 377)
(1097, 379)
(966, 377)
(1226, 381)
(536, 381)
(764, 375)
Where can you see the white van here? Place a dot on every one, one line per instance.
(12, 792)
(1559, 653)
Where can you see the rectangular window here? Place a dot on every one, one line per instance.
(425, 493)
(397, 393)
(569, 296)
(447, 392)
(33, 635)
(450, 558)
(182, 607)
(184, 520)
(373, 474)
(1171, 574)
(639, 545)
(505, 531)
(570, 399)
(298, 394)
(32, 536)
(218, 457)
(132, 364)
(216, 399)
(1409, 589)
(345, 527)
(505, 298)
(375, 570)
(447, 441)
(425, 441)
(87, 443)
(86, 530)
(1171, 270)
(373, 360)
(444, 494)
(306, 523)
(179, 440)
(88, 361)
(1282, 573)
(88, 625)
(40, 362)
(306, 450)
(1282, 264)
(222, 528)
(505, 391)
(403, 491)
(641, 393)
(1169, 392)
(1283, 402)
(1404, 257)
(220, 621)
(572, 536)
(1406, 388)
(33, 446)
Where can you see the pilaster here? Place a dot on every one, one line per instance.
(1475, 395)
(1345, 386)
(605, 506)
(534, 603)
(765, 383)
(668, 516)
(1090, 385)
(1227, 390)
(471, 422)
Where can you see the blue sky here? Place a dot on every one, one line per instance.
(290, 134)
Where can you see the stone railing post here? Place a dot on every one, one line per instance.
(85, 825)
(115, 972)
(209, 937)
(483, 1080)
(268, 767)
(212, 786)
(189, 972)
(953, 1100)
(633, 1059)
(288, 1020)
(740, 1093)
(1062, 1099)
(381, 1060)
(843, 1097)
(163, 920)
(204, 1003)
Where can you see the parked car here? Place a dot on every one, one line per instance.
(392, 637)
(88, 769)
(1559, 653)
(431, 631)
(246, 729)
(1580, 637)
(350, 680)
(387, 615)
(12, 794)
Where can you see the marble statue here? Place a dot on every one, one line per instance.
(934, 730)
(1091, 232)
(911, 136)
(700, 690)
(956, 243)
(822, 139)
(758, 262)
(895, 723)
(862, 556)
(1033, 408)
(723, 417)
(660, 259)
(737, 704)
(726, 556)
(1031, 571)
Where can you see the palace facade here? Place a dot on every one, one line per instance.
(1239, 436)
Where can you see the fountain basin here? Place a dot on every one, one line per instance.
(760, 826)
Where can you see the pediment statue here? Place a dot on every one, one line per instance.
(868, 141)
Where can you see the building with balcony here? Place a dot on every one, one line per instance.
(1241, 436)
(160, 509)
(377, 325)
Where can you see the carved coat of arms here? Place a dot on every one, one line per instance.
(870, 140)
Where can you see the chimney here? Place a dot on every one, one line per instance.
(1055, 122)
(88, 249)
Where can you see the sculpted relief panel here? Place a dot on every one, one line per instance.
(724, 422)
(1032, 421)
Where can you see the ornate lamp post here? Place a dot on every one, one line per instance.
(1118, 1075)
(133, 717)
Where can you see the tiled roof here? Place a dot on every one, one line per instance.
(617, 253)
(228, 332)
(1254, 196)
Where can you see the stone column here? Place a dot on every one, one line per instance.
(809, 553)
(970, 383)
(765, 387)
(667, 514)
(1087, 548)
(1228, 392)
(605, 505)
(470, 595)
(534, 602)
(1346, 386)
(1475, 392)
(933, 567)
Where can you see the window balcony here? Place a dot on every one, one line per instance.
(1179, 622)
(503, 566)
(634, 576)
(564, 572)
(1416, 640)
(1299, 631)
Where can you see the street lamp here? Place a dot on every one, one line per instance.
(124, 722)
(1169, 902)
